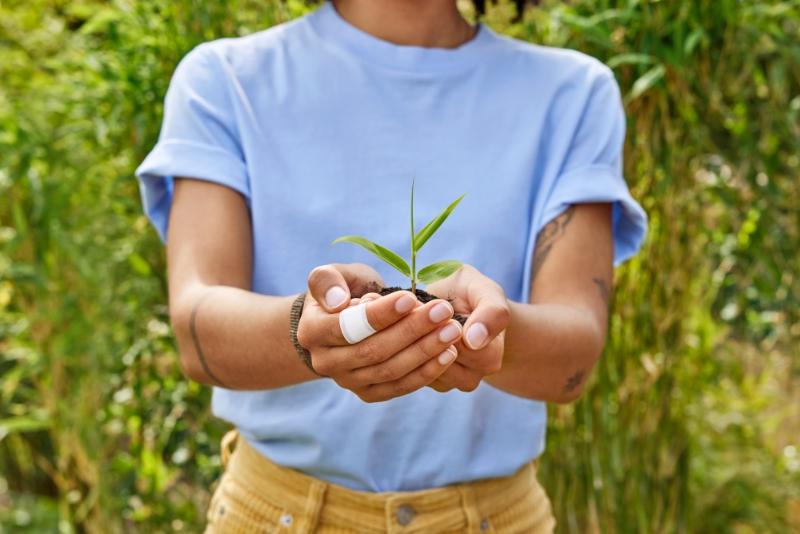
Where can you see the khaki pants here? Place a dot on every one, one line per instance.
(258, 496)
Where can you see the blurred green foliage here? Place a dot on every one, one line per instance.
(692, 421)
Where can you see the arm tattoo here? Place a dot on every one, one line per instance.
(196, 340)
(551, 232)
(574, 381)
(602, 286)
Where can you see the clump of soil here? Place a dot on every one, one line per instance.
(422, 296)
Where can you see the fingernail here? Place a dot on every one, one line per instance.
(449, 333)
(476, 335)
(440, 312)
(447, 356)
(405, 303)
(335, 296)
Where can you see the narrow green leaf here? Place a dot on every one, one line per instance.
(630, 59)
(646, 81)
(20, 424)
(381, 252)
(429, 229)
(437, 271)
(695, 38)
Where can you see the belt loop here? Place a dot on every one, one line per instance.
(314, 503)
(227, 446)
(470, 508)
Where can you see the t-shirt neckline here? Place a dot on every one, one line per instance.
(329, 25)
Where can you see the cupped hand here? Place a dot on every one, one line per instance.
(480, 351)
(413, 345)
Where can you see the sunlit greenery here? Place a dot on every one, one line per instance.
(692, 420)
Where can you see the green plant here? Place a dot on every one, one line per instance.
(426, 275)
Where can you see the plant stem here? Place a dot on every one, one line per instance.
(413, 248)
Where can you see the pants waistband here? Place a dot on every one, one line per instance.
(459, 507)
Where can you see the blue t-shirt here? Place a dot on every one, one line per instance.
(321, 127)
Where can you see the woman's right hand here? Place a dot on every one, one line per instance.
(412, 346)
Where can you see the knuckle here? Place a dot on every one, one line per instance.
(334, 331)
(428, 374)
(322, 366)
(366, 352)
(401, 387)
(304, 337)
(430, 347)
(499, 312)
(409, 328)
(317, 275)
(384, 373)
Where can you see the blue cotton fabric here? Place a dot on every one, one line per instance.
(321, 127)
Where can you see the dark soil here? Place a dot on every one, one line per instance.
(423, 296)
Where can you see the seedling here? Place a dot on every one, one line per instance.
(426, 275)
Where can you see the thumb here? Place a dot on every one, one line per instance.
(333, 285)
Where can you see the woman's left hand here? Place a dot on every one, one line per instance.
(480, 350)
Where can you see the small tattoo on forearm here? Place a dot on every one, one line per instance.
(574, 381)
(602, 286)
(200, 355)
(547, 237)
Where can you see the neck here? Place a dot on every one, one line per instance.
(426, 23)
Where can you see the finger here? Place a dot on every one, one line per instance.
(439, 385)
(458, 377)
(333, 285)
(490, 312)
(392, 339)
(366, 297)
(435, 345)
(382, 312)
(418, 378)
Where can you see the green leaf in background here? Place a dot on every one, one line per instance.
(429, 229)
(630, 59)
(437, 271)
(20, 424)
(381, 252)
(646, 81)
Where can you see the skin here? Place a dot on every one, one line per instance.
(232, 337)
(428, 23)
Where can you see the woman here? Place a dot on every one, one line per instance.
(276, 143)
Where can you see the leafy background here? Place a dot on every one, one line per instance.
(692, 420)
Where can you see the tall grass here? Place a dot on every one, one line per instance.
(691, 422)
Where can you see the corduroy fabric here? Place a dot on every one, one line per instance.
(257, 496)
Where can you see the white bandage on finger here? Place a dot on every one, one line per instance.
(354, 324)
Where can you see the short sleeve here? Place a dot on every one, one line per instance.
(198, 137)
(592, 168)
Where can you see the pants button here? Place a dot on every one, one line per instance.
(405, 514)
(484, 525)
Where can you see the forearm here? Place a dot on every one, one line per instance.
(235, 338)
(550, 350)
